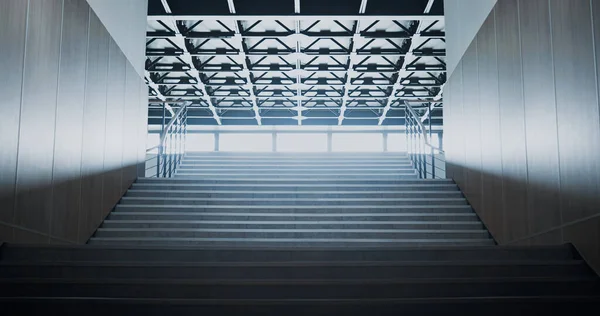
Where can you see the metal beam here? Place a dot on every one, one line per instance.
(234, 17)
(159, 94)
(403, 72)
(355, 65)
(245, 65)
(299, 107)
(353, 45)
(438, 97)
(186, 57)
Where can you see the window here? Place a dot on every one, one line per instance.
(245, 142)
(357, 142)
(152, 141)
(200, 142)
(396, 142)
(302, 142)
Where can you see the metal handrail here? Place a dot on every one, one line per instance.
(173, 134)
(426, 137)
(164, 134)
(417, 142)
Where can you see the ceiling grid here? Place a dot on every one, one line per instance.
(296, 62)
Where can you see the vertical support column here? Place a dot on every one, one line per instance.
(217, 141)
(385, 141)
(274, 141)
(329, 141)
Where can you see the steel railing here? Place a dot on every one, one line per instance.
(429, 160)
(171, 147)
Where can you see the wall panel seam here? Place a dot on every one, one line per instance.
(527, 213)
(16, 203)
(503, 195)
(560, 204)
(85, 98)
(52, 184)
(596, 76)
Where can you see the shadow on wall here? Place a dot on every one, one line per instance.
(67, 212)
(534, 214)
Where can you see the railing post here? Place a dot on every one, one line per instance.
(170, 153)
(184, 134)
(217, 139)
(432, 150)
(158, 153)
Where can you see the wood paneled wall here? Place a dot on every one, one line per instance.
(522, 123)
(73, 111)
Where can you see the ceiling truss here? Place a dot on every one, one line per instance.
(316, 69)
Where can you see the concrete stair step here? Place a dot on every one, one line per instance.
(323, 210)
(297, 161)
(297, 187)
(242, 165)
(307, 233)
(292, 270)
(293, 224)
(270, 181)
(250, 194)
(293, 176)
(292, 201)
(286, 242)
(299, 289)
(304, 172)
(280, 155)
(207, 253)
(340, 218)
(468, 306)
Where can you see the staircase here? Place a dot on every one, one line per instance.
(302, 234)
(302, 200)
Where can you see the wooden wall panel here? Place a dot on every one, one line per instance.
(13, 17)
(492, 211)
(577, 107)
(94, 124)
(114, 126)
(471, 125)
(38, 109)
(512, 122)
(69, 121)
(540, 116)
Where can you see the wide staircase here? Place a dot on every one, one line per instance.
(294, 234)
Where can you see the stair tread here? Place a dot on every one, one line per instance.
(557, 279)
(320, 240)
(296, 230)
(292, 199)
(286, 222)
(301, 206)
(194, 249)
(176, 264)
(294, 192)
(117, 213)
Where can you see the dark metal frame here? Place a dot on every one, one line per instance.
(425, 157)
(296, 69)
